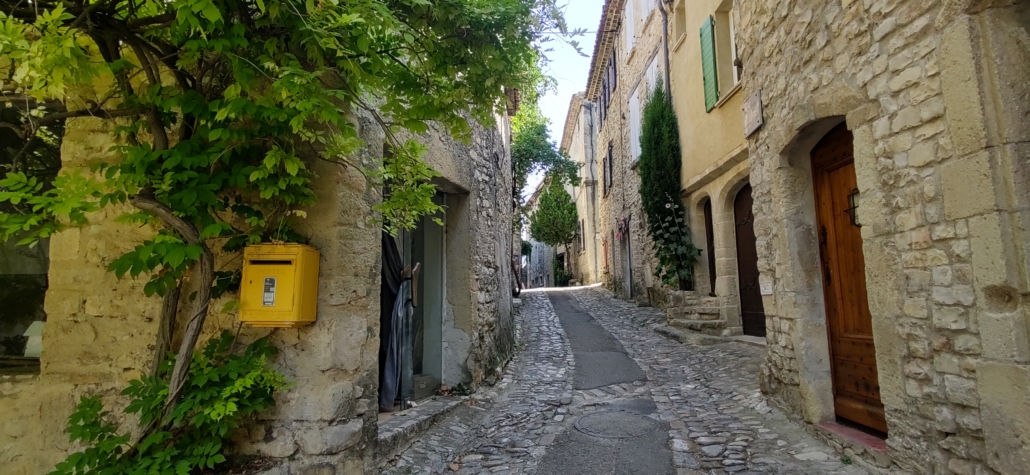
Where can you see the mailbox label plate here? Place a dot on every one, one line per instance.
(268, 299)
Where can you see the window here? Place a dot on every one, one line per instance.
(23, 270)
(726, 47)
(608, 87)
(708, 68)
(630, 23)
(719, 63)
(680, 20)
(636, 103)
(634, 124)
(608, 181)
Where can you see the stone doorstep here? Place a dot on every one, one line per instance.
(688, 337)
(750, 340)
(709, 327)
(855, 443)
(400, 430)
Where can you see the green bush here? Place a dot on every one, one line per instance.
(222, 389)
(562, 278)
(660, 162)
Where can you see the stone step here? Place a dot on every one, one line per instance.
(708, 327)
(704, 316)
(707, 310)
(396, 433)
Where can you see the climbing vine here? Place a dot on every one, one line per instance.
(220, 107)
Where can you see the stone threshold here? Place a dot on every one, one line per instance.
(688, 337)
(396, 433)
(865, 450)
(750, 340)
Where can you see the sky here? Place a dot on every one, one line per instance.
(569, 69)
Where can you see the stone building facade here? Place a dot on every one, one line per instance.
(100, 332)
(627, 61)
(578, 141)
(707, 99)
(909, 119)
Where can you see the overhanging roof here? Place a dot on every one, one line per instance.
(571, 119)
(607, 33)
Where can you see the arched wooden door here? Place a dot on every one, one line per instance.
(856, 389)
(752, 311)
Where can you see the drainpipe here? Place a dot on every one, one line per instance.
(665, 46)
(591, 138)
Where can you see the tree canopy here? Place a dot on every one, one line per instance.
(555, 220)
(532, 150)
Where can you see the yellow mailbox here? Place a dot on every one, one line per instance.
(280, 285)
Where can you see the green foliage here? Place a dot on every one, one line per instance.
(222, 105)
(222, 389)
(532, 150)
(561, 276)
(660, 188)
(527, 248)
(555, 220)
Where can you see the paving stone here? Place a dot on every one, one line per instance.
(706, 393)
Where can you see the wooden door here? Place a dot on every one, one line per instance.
(856, 389)
(752, 311)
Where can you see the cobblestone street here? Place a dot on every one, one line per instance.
(695, 410)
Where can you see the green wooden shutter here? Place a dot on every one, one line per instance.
(708, 63)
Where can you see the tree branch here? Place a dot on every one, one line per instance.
(206, 276)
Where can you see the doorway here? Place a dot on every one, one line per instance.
(710, 245)
(856, 389)
(627, 263)
(752, 310)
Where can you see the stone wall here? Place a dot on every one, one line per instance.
(935, 95)
(100, 331)
(578, 141)
(714, 167)
(622, 201)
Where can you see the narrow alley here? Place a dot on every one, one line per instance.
(595, 390)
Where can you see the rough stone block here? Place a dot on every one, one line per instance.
(915, 308)
(922, 154)
(993, 260)
(65, 245)
(968, 189)
(1004, 336)
(1004, 391)
(906, 78)
(966, 344)
(949, 318)
(961, 86)
(906, 119)
(961, 390)
(330, 440)
(947, 363)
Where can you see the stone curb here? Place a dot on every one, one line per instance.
(397, 433)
